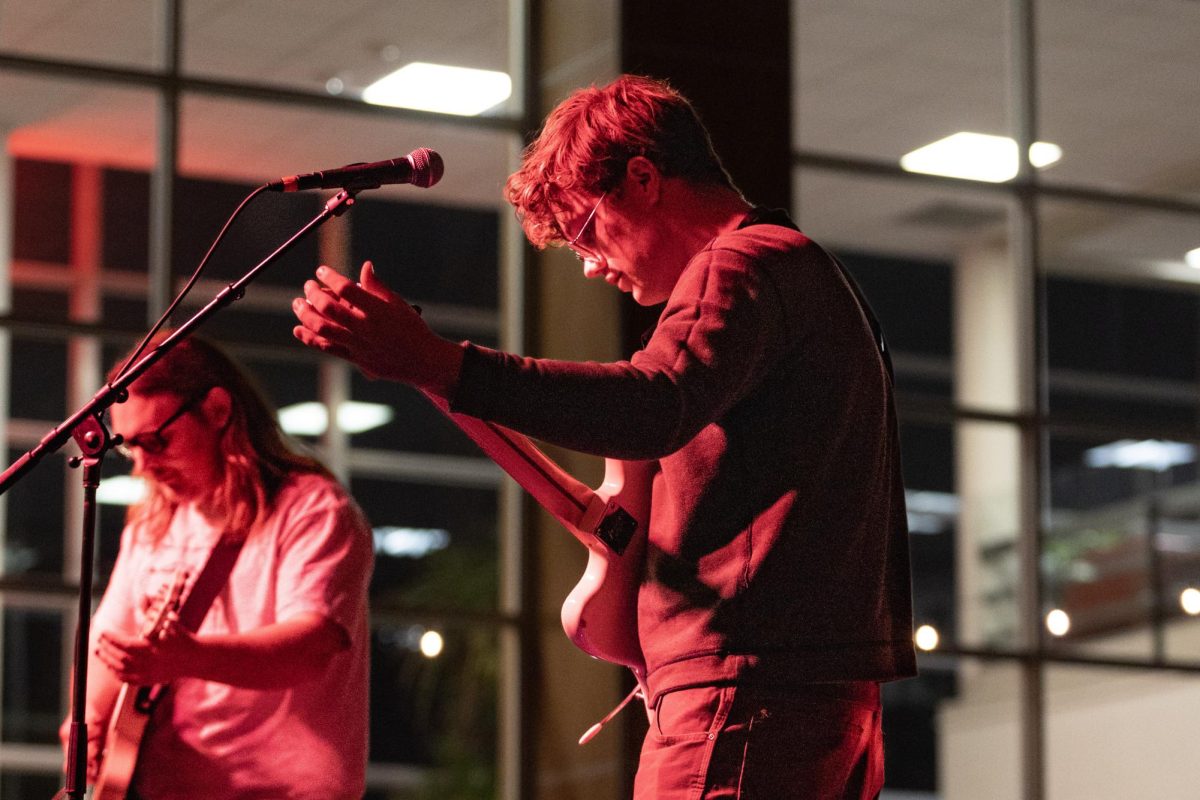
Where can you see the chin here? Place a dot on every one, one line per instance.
(642, 298)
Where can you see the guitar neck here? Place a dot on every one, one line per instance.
(568, 500)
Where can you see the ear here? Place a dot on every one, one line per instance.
(643, 179)
(218, 407)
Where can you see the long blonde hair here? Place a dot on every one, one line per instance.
(258, 456)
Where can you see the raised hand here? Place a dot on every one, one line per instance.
(372, 327)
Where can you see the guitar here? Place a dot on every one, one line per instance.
(132, 711)
(600, 613)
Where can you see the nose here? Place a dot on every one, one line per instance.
(593, 268)
(138, 457)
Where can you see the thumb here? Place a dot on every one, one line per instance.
(368, 280)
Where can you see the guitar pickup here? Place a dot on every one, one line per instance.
(616, 528)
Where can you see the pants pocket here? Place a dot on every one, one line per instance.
(692, 713)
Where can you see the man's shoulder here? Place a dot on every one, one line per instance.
(310, 491)
(764, 240)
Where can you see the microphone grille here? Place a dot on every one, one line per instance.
(427, 167)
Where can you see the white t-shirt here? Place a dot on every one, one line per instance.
(215, 741)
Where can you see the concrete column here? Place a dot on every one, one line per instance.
(993, 334)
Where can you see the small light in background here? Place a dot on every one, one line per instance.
(335, 86)
(926, 637)
(432, 644)
(441, 88)
(1058, 622)
(978, 156)
(1192, 258)
(1189, 601)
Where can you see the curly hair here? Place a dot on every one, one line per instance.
(588, 139)
(258, 458)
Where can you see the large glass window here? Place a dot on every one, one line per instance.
(1044, 326)
(91, 250)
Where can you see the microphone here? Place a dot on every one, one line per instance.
(422, 167)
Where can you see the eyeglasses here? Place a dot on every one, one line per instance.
(154, 442)
(573, 245)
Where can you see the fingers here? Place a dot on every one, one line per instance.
(349, 292)
(123, 655)
(333, 306)
(110, 651)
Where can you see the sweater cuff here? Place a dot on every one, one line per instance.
(476, 380)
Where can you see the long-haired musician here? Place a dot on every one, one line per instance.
(268, 697)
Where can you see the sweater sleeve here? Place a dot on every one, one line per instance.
(715, 339)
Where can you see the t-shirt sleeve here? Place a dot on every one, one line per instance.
(325, 557)
(117, 610)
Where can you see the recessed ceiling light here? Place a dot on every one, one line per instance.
(441, 88)
(978, 156)
(1192, 258)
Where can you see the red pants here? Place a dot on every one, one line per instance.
(815, 742)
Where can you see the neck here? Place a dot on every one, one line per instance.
(706, 212)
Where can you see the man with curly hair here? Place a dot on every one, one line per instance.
(775, 596)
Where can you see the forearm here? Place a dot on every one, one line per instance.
(102, 690)
(273, 657)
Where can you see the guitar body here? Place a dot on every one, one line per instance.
(600, 614)
(122, 741)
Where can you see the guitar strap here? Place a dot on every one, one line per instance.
(210, 580)
(205, 589)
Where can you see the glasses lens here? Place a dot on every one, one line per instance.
(149, 443)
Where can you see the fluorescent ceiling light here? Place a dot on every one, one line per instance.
(312, 419)
(121, 490)
(437, 87)
(978, 156)
(930, 512)
(1192, 258)
(1146, 454)
(410, 542)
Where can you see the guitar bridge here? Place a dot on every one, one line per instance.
(616, 528)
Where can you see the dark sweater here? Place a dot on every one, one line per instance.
(778, 545)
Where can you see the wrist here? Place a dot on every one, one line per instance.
(444, 365)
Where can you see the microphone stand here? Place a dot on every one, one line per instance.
(87, 427)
